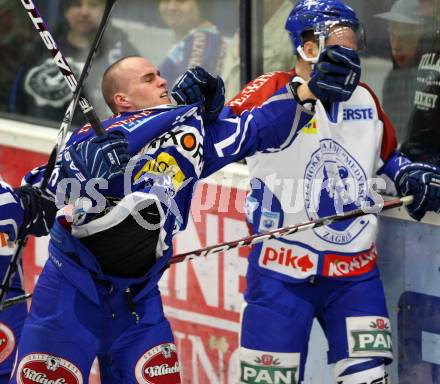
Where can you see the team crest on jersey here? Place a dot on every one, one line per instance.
(159, 365)
(44, 368)
(334, 183)
(163, 164)
(7, 342)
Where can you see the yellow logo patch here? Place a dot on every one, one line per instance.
(163, 164)
(310, 127)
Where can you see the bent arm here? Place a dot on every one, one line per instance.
(269, 128)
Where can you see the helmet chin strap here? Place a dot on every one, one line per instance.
(313, 60)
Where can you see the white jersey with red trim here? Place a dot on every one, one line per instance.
(329, 169)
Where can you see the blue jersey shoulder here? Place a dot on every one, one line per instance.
(140, 127)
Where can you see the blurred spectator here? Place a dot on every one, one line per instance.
(423, 139)
(13, 40)
(377, 44)
(41, 89)
(375, 60)
(277, 52)
(197, 40)
(427, 8)
(405, 25)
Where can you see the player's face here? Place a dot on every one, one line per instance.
(144, 87)
(343, 36)
(180, 15)
(403, 42)
(84, 16)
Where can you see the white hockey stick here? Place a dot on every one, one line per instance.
(285, 231)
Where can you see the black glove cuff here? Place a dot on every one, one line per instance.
(294, 88)
(39, 210)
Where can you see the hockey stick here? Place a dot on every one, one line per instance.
(285, 231)
(76, 87)
(16, 300)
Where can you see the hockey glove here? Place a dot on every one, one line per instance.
(336, 74)
(423, 182)
(39, 210)
(195, 85)
(11, 211)
(102, 157)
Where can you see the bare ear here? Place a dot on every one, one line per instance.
(121, 101)
(310, 49)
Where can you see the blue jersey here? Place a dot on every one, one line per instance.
(172, 150)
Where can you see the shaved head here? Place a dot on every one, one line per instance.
(111, 82)
(133, 83)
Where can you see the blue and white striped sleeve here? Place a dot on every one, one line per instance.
(269, 128)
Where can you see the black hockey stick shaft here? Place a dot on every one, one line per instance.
(76, 86)
(61, 61)
(16, 300)
(285, 231)
(89, 112)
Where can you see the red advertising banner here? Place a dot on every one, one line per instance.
(202, 297)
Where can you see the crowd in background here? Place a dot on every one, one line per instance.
(399, 61)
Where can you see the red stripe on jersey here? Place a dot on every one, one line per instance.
(389, 142)
(259, 90)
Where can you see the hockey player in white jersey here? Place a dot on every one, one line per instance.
(328, 273)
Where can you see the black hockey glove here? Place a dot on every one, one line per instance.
(336, 74)
(195, 85)
(25, 210)
(423, 182)
(39, 210)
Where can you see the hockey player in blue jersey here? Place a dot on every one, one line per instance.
(98, 294)
(11, 320)
(328, 273)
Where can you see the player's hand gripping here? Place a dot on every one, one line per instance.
(195, 85)
(336, 74)
(102, 157)
(423, 182)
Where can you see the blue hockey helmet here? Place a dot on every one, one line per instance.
(319, 16)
